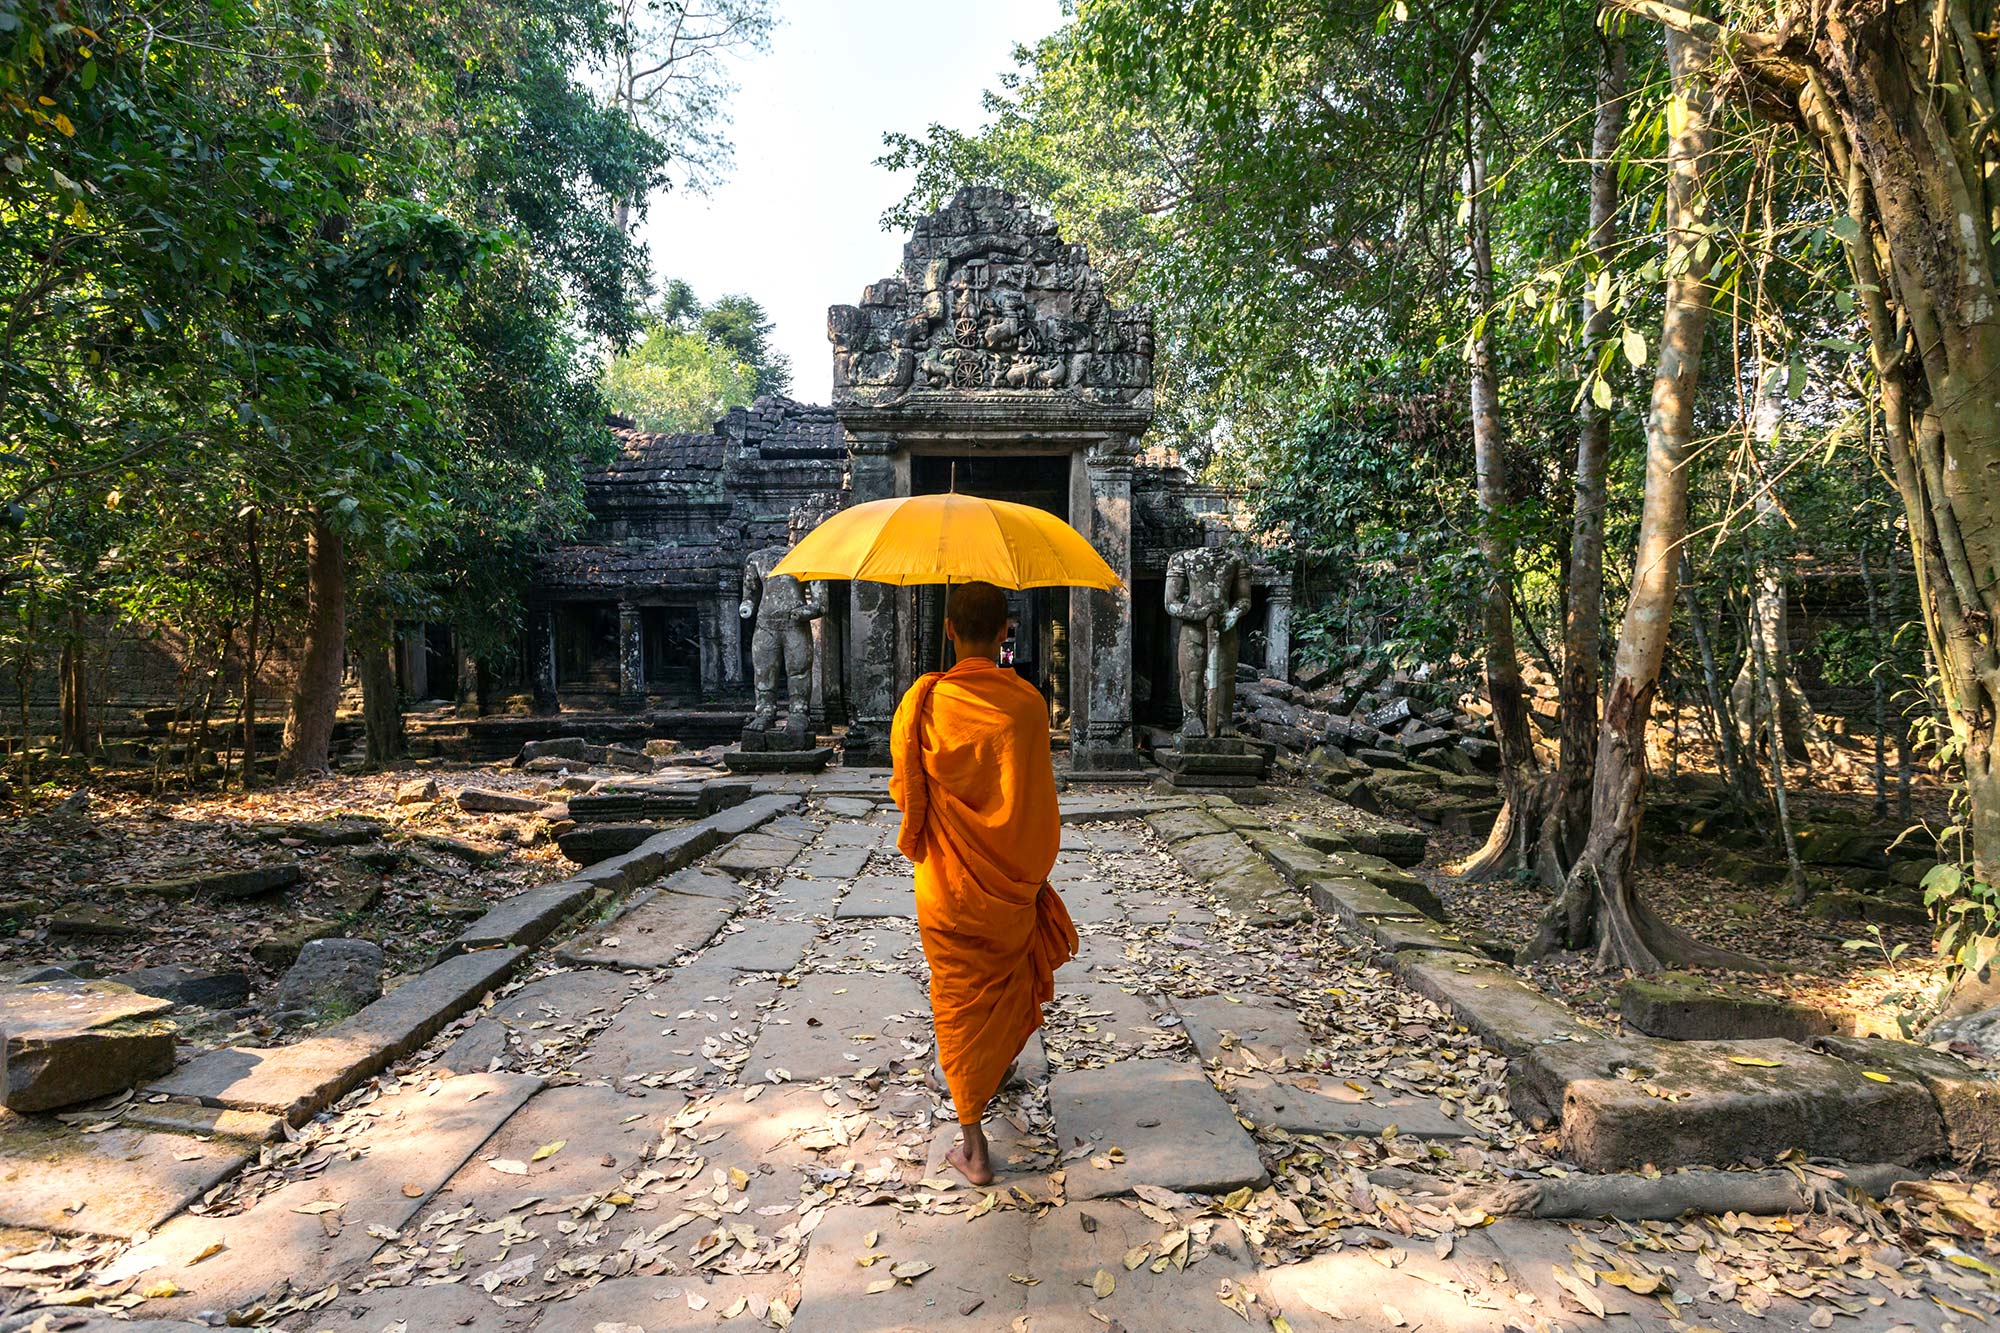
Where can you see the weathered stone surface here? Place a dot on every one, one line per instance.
(665, 1027)
(472, 851)
(972, 1262)
(479, 800)
(249, 882)
(755, 852)
(67, 1041)
(812, 759)
(1724, 1109)
(1172, 826)
(763, 946)
(341, 831)
(527, 918)
(201, 1121)
(119, 1182)
(876, 949)
(297, 1080)
(1847, 906)
(1215, 855)
(189, 986)
(419, 1139)
(835, 1026)
(705, 882)
(1681, 1006)
(1225, 1027)
(1358, 904)
(92, 923)
(1416, 933)
(280, 947)
(833, 862)
(654, 931)
(1317, 1104)
(332, 979)
(1967, 1099)
(878, 896)
(417, 791)
(1127, 1104)
(849, 807)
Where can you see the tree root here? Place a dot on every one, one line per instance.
(1631, 1198)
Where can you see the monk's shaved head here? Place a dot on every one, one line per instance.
(977, 612)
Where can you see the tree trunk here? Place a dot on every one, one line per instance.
(381, 703)
(1568, 823)
(74, 684)
(252, 649)
(1728, 756)
(1879, 769)
(1522, 786)
(316, 694)
(1600, 901)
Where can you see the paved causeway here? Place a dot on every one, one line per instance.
(710, 1111)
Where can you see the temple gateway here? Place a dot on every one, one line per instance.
(989, 361)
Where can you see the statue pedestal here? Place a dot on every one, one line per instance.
(779, 750)
(1211, 762)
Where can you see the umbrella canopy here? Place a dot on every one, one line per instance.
(949, 539)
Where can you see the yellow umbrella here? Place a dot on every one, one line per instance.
(949, 538)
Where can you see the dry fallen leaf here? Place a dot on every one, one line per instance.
(549, 1150)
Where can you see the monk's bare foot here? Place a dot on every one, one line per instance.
(970, 1156)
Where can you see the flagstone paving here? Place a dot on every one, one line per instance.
(709, 1110)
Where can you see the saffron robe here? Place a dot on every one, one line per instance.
(977, 789)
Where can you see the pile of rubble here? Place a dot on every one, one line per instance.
(1382, 740)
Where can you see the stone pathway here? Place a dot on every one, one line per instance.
(711, 1111)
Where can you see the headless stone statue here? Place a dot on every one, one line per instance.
(1208, 591)
(785, 610)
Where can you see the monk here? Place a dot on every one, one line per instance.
(977, 790)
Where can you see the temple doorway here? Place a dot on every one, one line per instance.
(1039, 647)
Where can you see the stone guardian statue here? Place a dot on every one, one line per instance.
(783, 637)
(1208, 592)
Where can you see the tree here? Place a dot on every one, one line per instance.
(738, 325)
(1601, 901)
(667, 75)
(677, 379)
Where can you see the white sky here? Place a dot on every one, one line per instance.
(797, 223)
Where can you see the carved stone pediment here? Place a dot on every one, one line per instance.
(991, 305)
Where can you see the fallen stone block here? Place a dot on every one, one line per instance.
(417, 791)
(64, 1042)
(1849, 906)
(1176, 1131)
(589, 843)
(1968, 1100)
(92, 923)
(189, 986)
(1699, 1103)
(332, 979)
(297, 1081)
(280, 948)
(479, 800)
(1680, 1006)
(1356, 903)
(253, 882)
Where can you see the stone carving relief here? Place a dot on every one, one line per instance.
(990, 300)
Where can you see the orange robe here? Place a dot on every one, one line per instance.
(978, 795)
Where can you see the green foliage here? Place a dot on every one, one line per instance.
(677, 380)
(695, 362)
(304, 261)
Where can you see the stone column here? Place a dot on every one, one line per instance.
(872, 667)
(542, 628)
(468, 678)
(1101, 622)
(1278, 632)
(631, 657)
(708, 629)
(729, 620)
(416, 664)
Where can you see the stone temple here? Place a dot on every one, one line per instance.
(992, 361)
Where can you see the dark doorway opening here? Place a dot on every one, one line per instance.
(670, 641)
(587, 645)
(1039, 646)
(440, 662)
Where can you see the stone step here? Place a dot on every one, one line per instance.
(525, 919)
(66, 1041)
(656, 930)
